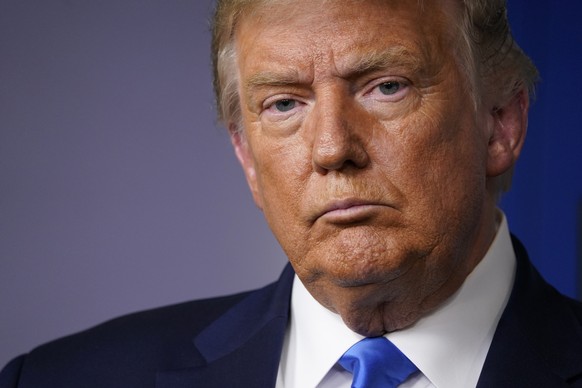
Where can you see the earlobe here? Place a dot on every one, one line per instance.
(246, 160)
(509, 126)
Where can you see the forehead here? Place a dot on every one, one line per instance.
(331, 32)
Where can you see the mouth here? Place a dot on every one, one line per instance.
(349, 211)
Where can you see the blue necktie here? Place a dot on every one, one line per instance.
(377, 363)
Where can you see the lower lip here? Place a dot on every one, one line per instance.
(352, 214)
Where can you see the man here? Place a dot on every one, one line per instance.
(376, 136)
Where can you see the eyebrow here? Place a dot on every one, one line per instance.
(391, 57)
(359, 65)
(272, 78)
(281, 78)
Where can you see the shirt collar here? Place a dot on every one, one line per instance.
(449, 345)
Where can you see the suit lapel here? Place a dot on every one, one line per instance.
(538, 341)
(243, 347)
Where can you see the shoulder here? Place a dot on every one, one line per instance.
(538, 340)
(532, 291)
(110, 354)
(163, 323)
(130, 350)
(537, 302)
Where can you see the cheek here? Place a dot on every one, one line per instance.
(436, 159)
(283, 170)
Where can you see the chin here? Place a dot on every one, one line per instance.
(377, 323)
(370, 310)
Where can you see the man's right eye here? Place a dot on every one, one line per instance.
(284, 105)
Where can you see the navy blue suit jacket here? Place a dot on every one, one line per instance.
(236, 341)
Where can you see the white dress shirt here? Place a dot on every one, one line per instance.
(448, 346)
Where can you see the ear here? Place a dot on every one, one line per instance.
(507, 134)
(246, 160)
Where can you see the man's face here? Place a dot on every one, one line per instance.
(362, 147)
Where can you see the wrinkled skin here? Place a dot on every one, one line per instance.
(363, 148)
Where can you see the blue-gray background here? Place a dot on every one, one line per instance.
(119, 192)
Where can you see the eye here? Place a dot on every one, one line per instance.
(389, 88)
(284, 105)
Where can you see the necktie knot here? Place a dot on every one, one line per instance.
(377, 362)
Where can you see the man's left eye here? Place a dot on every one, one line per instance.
(389, 88)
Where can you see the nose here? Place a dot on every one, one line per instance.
(340, 135)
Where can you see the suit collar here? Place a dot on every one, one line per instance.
(243, 346)
(538, 338)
